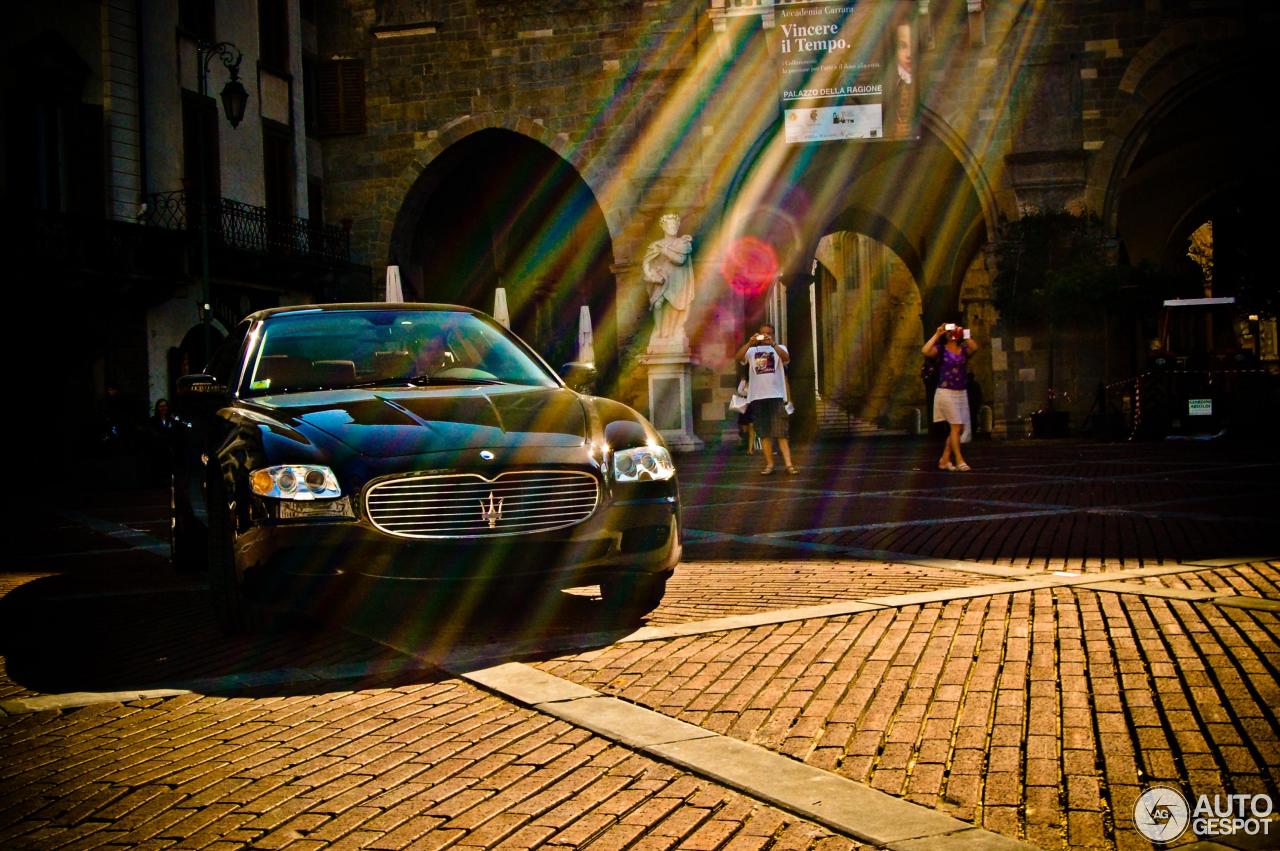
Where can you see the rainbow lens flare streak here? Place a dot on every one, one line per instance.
(711, 119)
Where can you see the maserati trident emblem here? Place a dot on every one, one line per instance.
(493, 512)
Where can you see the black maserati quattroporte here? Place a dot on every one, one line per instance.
(410, 445)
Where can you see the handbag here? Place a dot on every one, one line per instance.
(929, 371)
(738, 403)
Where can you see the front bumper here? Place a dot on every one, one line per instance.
(635, 531)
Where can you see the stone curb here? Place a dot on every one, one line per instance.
(77, 699)
(1111, 581)
(1261, 604)
(1185, 594)
(851, 808)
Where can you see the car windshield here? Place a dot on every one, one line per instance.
(314, 350)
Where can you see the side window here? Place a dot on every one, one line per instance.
(226, 359)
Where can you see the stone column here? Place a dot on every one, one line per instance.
(990, 366)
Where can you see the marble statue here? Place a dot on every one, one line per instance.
(668, 270)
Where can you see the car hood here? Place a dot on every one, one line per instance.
(384, 423)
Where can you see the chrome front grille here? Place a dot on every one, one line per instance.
(467, 505)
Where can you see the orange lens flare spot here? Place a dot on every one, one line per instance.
(750, 265)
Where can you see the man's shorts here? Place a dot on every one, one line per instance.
(769, 416)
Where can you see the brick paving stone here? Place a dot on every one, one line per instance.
(411, 831)
(1004, 739)
(598, 779)
(1105, 691)
(335, 827)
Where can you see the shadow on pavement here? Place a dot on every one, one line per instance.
(79, 632)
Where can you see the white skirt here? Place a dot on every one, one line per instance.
(951, 406)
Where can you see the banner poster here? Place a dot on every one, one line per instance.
(847, 70)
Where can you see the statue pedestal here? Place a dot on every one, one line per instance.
(671, 399)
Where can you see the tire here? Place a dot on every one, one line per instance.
(634, 595)
(236, 611)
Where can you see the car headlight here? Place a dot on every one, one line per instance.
(643, 464)
(295, 481)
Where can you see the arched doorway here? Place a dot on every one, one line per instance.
(915, 197)
(498, 209)
(868, 309)
(1193, 160)
(1191, 164)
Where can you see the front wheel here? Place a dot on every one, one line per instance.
(634, 595)
(236, 611)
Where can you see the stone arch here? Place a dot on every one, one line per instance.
(1190, 145)
(485, 206)
(872, 224)
(1154, 87)
(940, 267)
(959, 149)
(449, 134)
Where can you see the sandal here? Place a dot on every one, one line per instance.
(792, 471)
(951, 468)
(963, 468)
(767, 471)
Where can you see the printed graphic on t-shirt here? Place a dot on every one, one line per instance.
(765, 362)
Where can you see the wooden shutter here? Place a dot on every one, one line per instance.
(341, 93)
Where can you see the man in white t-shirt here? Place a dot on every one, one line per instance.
(767, 394)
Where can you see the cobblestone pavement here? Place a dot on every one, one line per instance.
(1024, 648)
(1025, 504)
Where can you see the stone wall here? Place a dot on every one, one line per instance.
(671, 105)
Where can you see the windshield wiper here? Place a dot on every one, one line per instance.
(451, 379)
(392, 382)
(422, 379)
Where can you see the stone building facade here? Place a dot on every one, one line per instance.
(108, 147)
(535, 146)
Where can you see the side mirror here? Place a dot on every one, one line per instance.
(579, 376)
(200, 386)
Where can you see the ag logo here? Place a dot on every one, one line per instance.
(1161, 814)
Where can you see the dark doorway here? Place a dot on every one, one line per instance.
(500, 210)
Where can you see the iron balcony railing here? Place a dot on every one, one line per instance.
(249, 228)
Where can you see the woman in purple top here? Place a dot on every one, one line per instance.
(951, 401)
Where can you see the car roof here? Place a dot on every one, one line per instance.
(357, 305)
